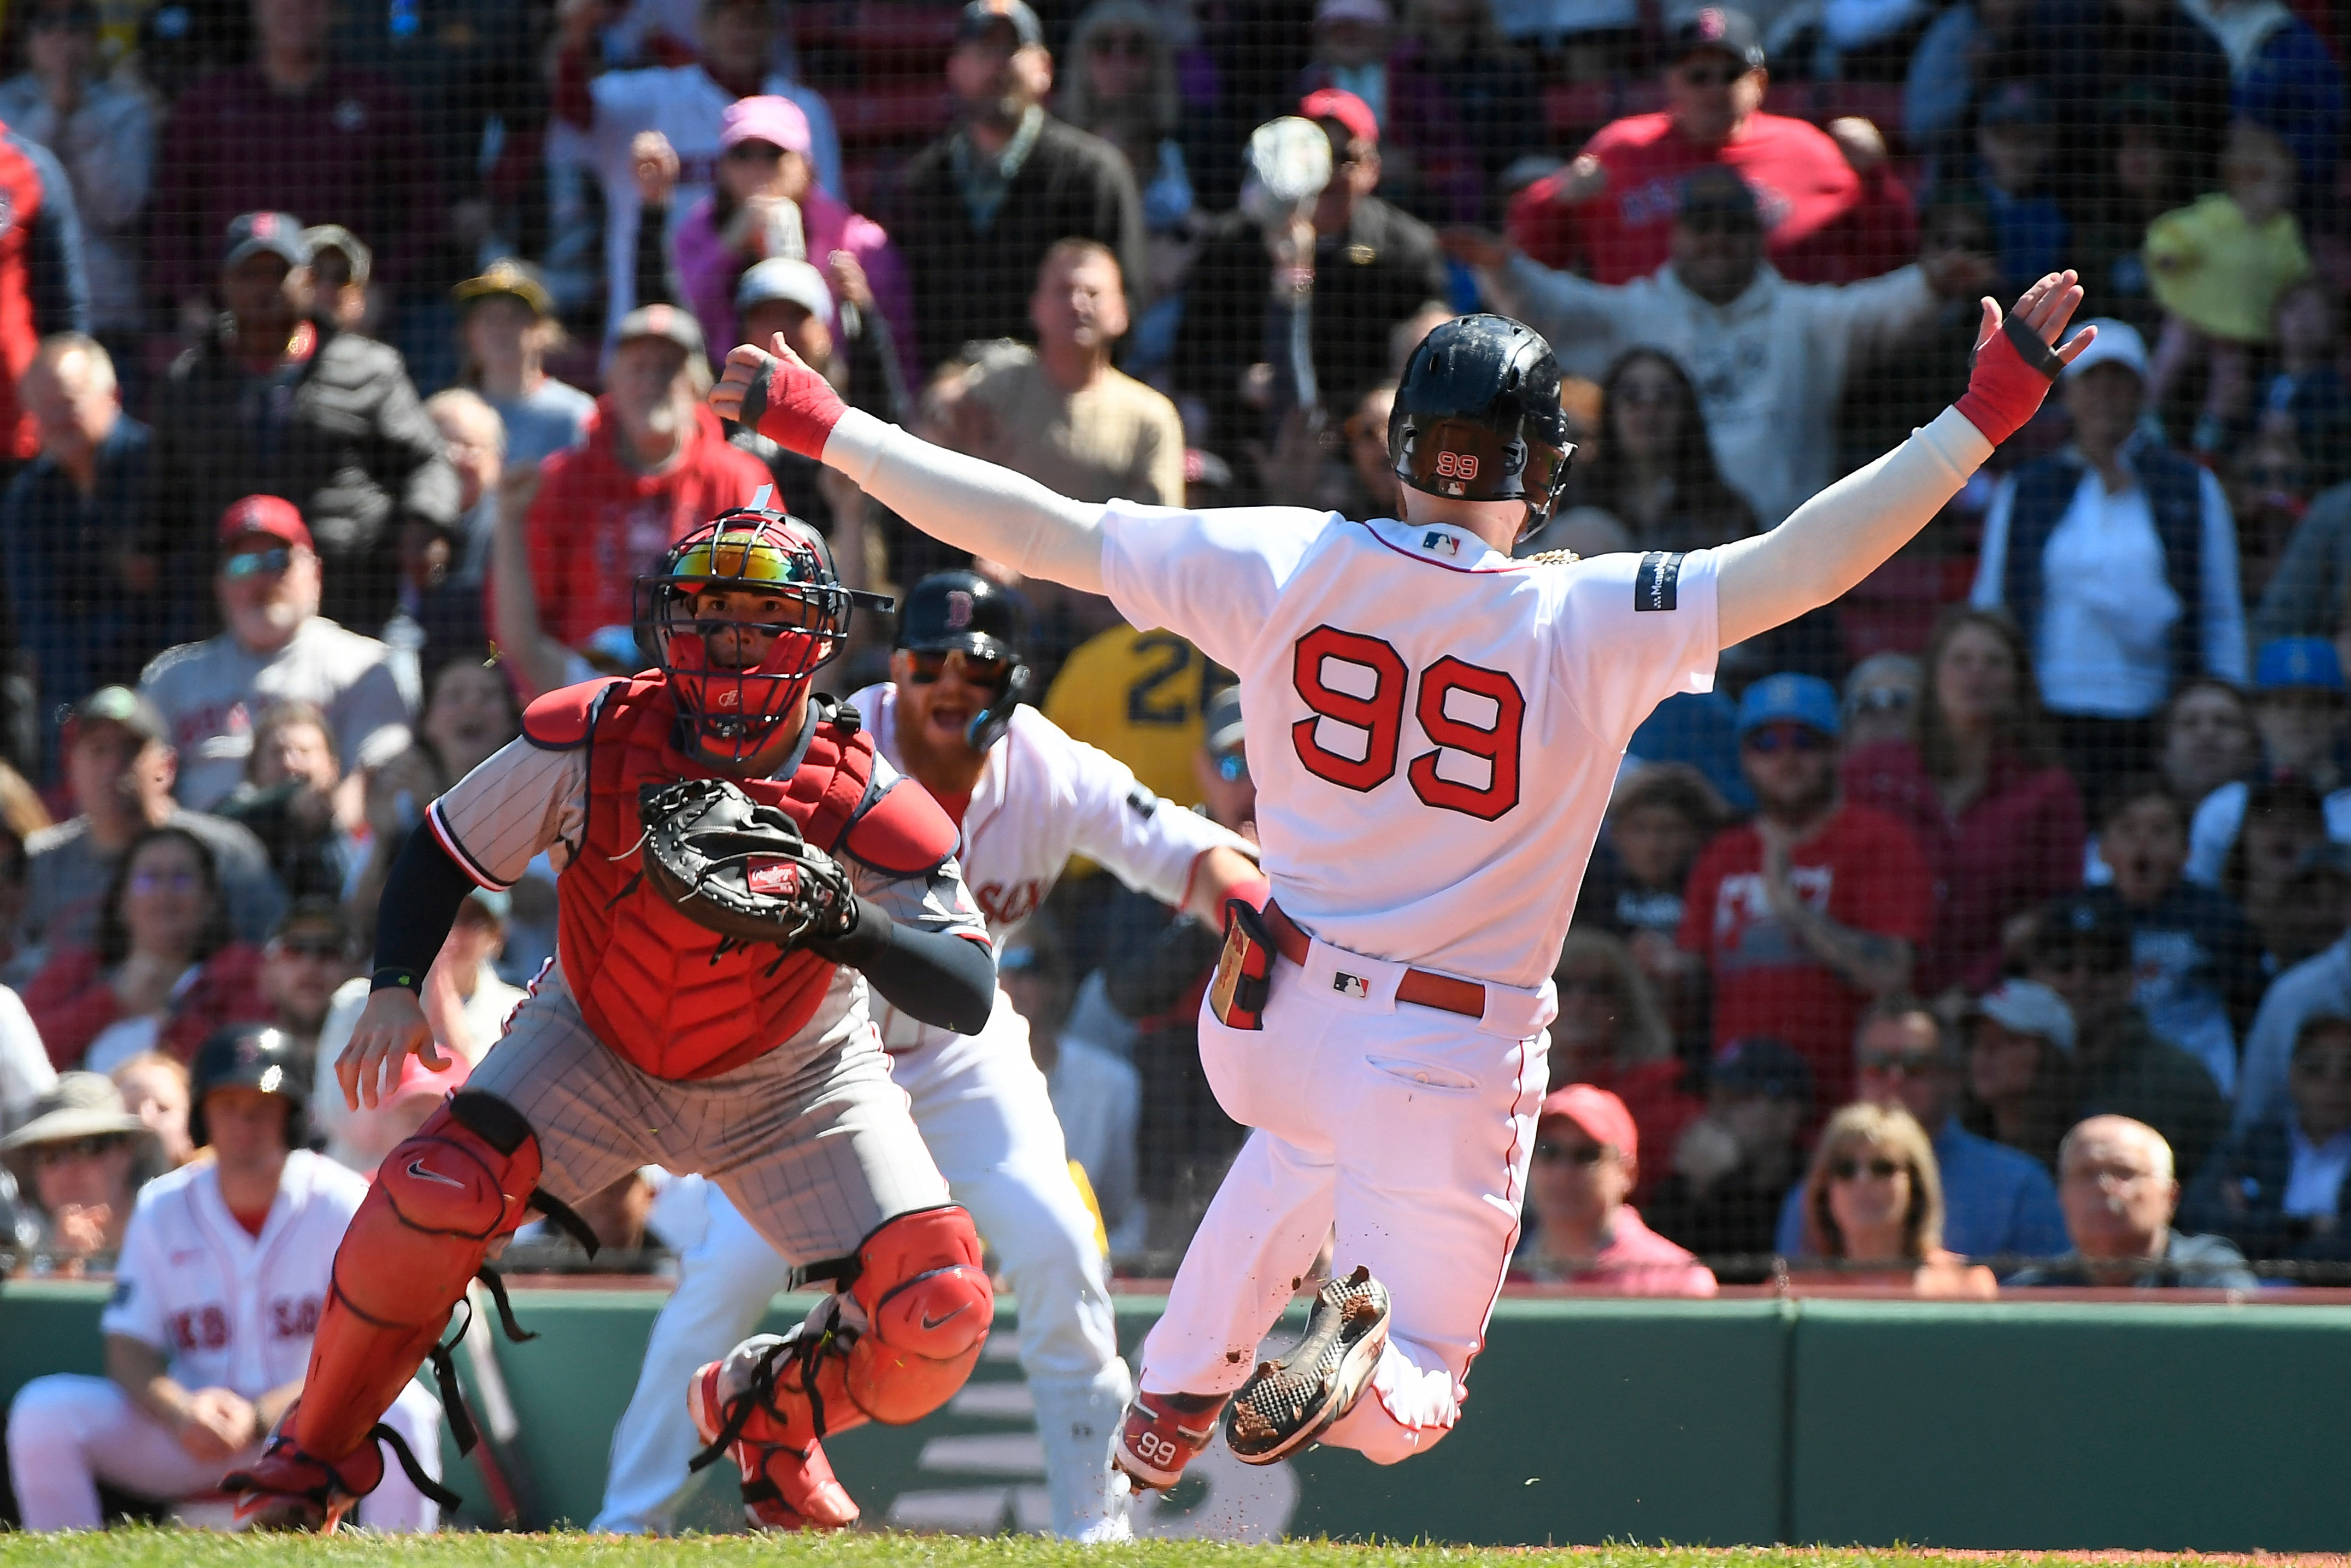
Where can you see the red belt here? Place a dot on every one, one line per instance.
(1419, 986)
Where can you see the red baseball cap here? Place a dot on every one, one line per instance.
(1339, 104)
(1601, 1114)
(272, 514)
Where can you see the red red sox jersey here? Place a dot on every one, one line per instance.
(1433, 727)
(231, 1309)
(1041, 797)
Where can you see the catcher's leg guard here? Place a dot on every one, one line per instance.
(441, 1201)
(918, 1283)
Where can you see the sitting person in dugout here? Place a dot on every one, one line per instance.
(652, 1040)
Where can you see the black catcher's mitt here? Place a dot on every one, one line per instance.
(740, 868)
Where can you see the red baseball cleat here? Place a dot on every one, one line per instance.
(787, 1483)
(1162, 1433)
(290, 1489)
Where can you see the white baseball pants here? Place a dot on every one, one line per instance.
(1406, 1128)
(67, 1432)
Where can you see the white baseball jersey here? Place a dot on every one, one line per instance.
(231, 1309)
(1433, 727)
(1041, 797)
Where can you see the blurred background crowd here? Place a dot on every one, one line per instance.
(1988, 926)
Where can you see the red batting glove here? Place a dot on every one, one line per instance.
(2013, 371)
(793, 407)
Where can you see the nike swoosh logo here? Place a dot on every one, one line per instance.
(416, 1168)
(930, 1323)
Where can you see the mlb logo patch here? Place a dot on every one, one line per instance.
(1350, 985)
(1438, 542)
(778, 878)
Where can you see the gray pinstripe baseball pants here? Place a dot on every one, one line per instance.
(816, 1153)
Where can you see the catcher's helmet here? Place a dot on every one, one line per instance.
(733, 706)
(1477, 416)
(964, 611)
(250, 1056)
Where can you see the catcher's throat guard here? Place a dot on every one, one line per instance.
(1244, 979)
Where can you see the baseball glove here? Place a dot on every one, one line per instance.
(740, 868)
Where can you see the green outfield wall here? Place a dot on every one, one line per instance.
(2212, 1427)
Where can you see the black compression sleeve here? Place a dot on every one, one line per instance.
(936, 976)
(420, 904)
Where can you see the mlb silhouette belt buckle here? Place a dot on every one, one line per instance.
(1419, 986)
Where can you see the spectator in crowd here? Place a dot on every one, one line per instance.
(275, 401)
(1427, 166)
(1994, 1201)
(1587, 1161)
(1981, 791)
(2219, 269)
(1479, 79)
(22, 815)
(118, 772)
(293, 799)
(1897, 385)
(2281, 75)
(2307, 910)
(2081, 949)
(1611, 1033)
(2088, 56)
(1834, 210)
(278, 647)
(2021, 1068)
(81, 1159)
(1733, 1166)
(1372, 489)
(1660, 816)
(2302, 714)
(2275, 1189)
(2196, 961)
(600, 117)
(2143, 174)
(1369, 266)
(470, 712)
(1872, 1200)
(2119, 560)
(2318, 986)
(2306, 400)
(25, 1071)
(1654, 471)
(164, 972)
(656, 464)
(476, 440)
(2016, 150)
(103, 132)
(2286, 828)
(1882, 696)
(1769, 357)
(1964, 51)
(289, 130)
(977, 210)
(1803, 915)
(224, 1270)
(2114, 1176)
(341, 266)
(509, 327)
(767, 203)
(43, 287)
(2208, 740)
(84, 617)
(154, 1088)
(306, 959)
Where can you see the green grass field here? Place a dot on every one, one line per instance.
(174, 1549)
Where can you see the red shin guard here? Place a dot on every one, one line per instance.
(927, 1305)
(441, 1201)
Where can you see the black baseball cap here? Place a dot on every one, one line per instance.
(1718, 191)
(2091, 923)
(1723, 31)
(980, 15)
(279, 234)
(1760, 1065)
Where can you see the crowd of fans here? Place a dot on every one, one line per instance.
(1987, 926)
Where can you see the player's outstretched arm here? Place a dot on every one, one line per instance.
(1847, 531)
(958, 500)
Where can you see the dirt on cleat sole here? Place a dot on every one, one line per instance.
(1287, 1404)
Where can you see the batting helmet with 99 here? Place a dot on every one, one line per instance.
(1477, 416)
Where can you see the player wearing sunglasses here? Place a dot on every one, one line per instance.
(1026, 798)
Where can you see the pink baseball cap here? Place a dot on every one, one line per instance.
(1339, 104)
(1601, 1114)
(778, 122)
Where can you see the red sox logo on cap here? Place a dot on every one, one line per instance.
(958, 609)
(265, 225)
(1710, 24)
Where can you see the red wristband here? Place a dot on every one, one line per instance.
(2013, 373)
(794, 407)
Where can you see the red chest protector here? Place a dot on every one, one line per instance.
(643, 974)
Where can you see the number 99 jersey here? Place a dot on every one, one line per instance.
(1433, 727)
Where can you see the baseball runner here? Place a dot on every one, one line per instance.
(1026, 797)
(225, 1269)
(1433, 728)
(737, 866)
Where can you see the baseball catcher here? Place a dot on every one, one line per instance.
(737, 868)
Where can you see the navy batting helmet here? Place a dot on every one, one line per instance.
(1477, 416)
(250, 1056)
(962, 612)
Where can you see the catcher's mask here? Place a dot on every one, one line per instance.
(729, 689)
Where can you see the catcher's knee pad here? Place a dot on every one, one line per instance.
(927, 1305)
(441, 1201)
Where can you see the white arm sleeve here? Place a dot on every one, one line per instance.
(1845, 532)
(971, 505)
